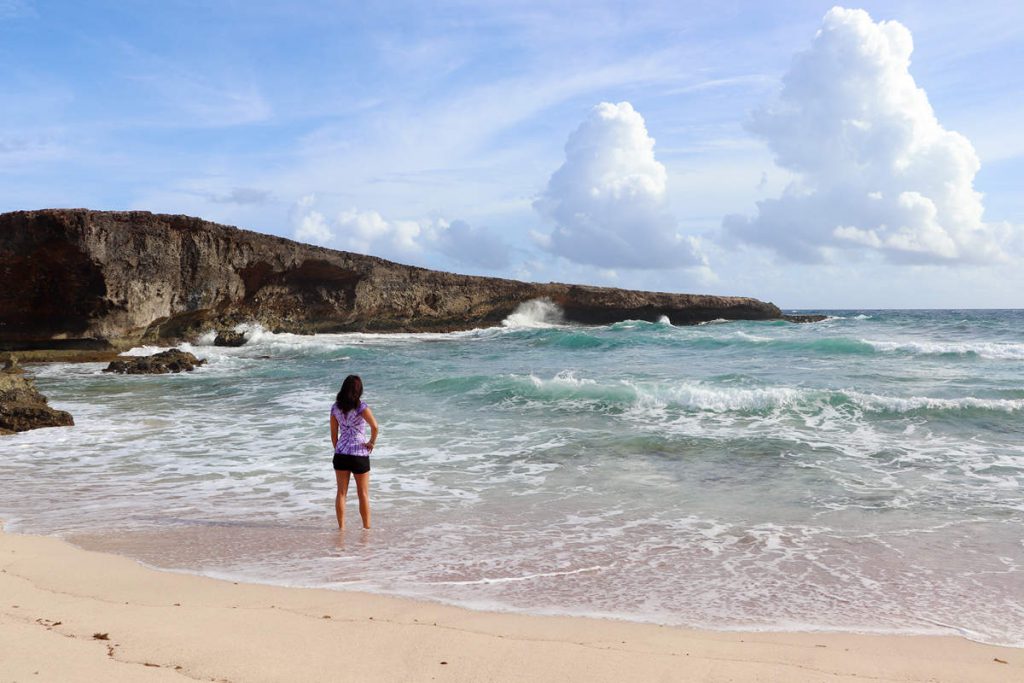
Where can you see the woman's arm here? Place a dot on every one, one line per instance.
(334, 432)
(372, 421)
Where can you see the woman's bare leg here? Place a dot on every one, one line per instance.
(363, 489)
(339, 500)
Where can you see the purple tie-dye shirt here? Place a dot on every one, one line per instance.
(351, 431)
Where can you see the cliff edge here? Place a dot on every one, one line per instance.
(82, 279)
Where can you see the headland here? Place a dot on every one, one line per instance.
(91, 283)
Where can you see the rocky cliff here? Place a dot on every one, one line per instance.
(80, 279)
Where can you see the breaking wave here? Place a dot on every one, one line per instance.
(536, 313)
(571, 390)
(990, 350)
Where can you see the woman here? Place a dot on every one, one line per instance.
(349, 417)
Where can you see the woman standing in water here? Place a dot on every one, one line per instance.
(349, 417)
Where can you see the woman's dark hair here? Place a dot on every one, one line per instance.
(350, 393)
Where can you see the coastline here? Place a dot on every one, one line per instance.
(163, 625)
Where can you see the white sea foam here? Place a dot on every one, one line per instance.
(719, 399)
(149, 350)
(699, 396)
(566, 385)
(253, 332)
(756, 338)
(514, 579)
(259, 339)
(536, 313)
(565, 378)
(990, 350)
(206, 338)
(900, 404)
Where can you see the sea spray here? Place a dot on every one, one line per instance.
(535, 313)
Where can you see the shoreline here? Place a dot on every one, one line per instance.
(60, 600)
(925, 629)
(931, 630)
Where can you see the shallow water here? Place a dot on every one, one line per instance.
(864, 473)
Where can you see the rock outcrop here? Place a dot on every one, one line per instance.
(172, 360)
(97, 280)
(229, 338)
(22, 407)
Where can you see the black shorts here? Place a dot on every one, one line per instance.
(356, 464)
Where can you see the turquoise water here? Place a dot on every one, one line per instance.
(863, 474)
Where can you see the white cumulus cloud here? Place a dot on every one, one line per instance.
(310, 225)
(407, 241)
(608, 199)
(368, 232)
(875, 168)
(471, 245)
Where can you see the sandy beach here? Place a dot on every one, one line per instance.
(72, 615)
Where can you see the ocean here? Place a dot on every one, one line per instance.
(865, 473)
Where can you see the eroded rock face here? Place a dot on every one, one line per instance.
(174, 360)
(96, 279)
(22, 407)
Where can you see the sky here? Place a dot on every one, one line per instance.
(861, 156)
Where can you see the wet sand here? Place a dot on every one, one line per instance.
(72, 615)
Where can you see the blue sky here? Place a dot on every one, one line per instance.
(670, 146)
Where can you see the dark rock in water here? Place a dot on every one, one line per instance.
(22, 407)
(161, 363)
(113, 279)
(229, 338)
(804, 317)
